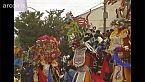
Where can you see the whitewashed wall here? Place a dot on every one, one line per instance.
(96, 17)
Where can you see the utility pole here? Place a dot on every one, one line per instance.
(105, 16)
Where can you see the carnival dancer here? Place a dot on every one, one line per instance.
(99, 74)
(120, 49)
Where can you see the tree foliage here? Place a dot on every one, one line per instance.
(16, 41)
(30, 26)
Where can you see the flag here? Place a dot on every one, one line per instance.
(20, 5)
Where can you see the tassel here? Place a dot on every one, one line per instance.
(50, 78)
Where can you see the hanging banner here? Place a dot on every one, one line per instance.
(20, 5)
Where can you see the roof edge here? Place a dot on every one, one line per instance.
(89, 11)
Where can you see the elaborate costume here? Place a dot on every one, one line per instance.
(48, 53)
(120, 48)
(72, 29)
(85, 51)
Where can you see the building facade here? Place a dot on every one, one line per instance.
(96, 16)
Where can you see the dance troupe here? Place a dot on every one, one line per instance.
(95, 57)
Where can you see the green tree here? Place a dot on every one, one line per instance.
(54, 23)
(16, 41)
(31, 26)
